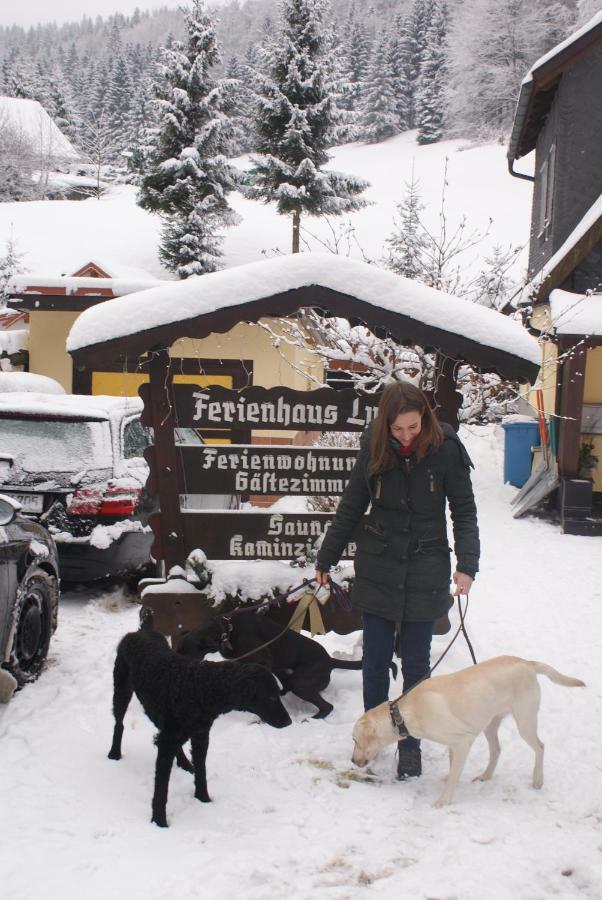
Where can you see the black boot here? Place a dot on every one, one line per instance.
(409, 760)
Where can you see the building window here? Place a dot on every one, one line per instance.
(547, 172)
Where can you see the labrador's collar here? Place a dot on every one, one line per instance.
(226, 631)
(397, 719)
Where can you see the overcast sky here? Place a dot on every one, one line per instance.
(30, 12)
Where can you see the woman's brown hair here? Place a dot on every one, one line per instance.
(401, 397)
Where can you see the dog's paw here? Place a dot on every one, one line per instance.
(114, 754)
(440, 802)
(161, 821)
(538, 783)
(484, 776)
(203, 796)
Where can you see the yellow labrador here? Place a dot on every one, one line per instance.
(454, 709)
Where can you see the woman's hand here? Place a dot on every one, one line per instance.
(322, 578)
(463, 583)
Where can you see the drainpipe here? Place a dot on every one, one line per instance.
(518, 174)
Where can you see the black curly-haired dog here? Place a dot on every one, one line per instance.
(183, 697)
(301, 664)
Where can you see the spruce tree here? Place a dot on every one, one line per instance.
(188, 176)
(407, 243)
(430, 100)
(380, 118)
(295, 120)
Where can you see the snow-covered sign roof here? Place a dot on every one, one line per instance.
(66, 406)
(580, 242)
(32, 122)
(277, 287)
(538, 86)
(576, 313)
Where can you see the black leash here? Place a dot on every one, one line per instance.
(396, 717)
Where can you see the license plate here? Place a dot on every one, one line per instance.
(33, 503)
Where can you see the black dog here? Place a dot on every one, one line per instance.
(183, 697)
(301, 665)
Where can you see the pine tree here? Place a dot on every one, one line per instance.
(295, 120)
(188, 177)
(380, 118)
(10, 264)
(399, 61)
(430, 100)
(407, 244)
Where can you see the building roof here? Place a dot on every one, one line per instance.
(70, 292)
(66, 406)
(30, 119)
(278, 287)
(541, 82)
(578, 245)
(576, 314)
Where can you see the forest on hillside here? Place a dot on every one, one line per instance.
(446, 68)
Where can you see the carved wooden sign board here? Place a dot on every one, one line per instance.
(247, 469)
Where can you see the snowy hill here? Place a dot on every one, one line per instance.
(57, 237)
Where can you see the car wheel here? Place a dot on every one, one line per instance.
(32, 625)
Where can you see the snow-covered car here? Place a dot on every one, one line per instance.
(29, 592)
(75, 462)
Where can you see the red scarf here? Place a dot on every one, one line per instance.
(405, 452)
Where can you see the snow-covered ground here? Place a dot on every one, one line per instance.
(290, 817)
(57, 238)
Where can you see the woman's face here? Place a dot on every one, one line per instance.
(406, 427)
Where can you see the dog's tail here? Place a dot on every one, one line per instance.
(356, 664)
(554, 675)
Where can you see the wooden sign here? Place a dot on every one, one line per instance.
(255, 535)
(277, 408)
(255, 469)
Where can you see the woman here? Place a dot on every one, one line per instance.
(408, 467)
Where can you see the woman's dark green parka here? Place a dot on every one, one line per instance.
(402, 560)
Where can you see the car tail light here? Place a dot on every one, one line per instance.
(119, 501)
(105, 500)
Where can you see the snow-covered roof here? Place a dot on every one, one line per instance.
(67, 406)
(29, 381)
(576, 313)
(553, 272)
(538, 87)
(379, 290)
(30, 119)
(76, 286)
(585, 31)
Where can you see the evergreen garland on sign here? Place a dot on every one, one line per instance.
(295, 121)
(187, 174)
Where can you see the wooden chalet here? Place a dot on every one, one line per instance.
(558, 117)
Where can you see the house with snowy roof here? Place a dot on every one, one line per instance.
(36, 130)
(558, 117)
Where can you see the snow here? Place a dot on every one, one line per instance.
(589, 26)
(28, 381)
(288, 818)
(576, 313)
(14, 340)
(30, 119)
(70, 285)
(96, 407)
(237, 286)
(592, 216)
(58, 237)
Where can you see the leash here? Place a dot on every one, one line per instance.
(395, 714)
(336, 592)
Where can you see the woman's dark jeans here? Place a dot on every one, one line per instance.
(379, 642)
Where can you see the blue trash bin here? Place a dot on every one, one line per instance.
(519, 437)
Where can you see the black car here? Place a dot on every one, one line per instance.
(29, 592)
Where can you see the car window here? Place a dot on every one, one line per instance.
(135, 439)
(40, 445)
(187, 436)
